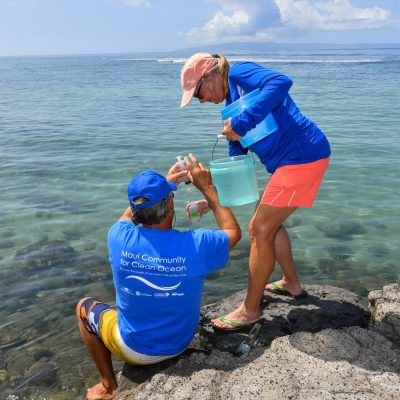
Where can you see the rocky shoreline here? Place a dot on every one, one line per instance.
(327, 346)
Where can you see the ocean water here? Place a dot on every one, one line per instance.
(75, 130)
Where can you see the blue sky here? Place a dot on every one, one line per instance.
(103, 26)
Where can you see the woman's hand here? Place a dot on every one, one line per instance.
(229, 133)
(175, 175)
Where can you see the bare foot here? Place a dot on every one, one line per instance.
(293, 288)
(239, 315)
(99, 392)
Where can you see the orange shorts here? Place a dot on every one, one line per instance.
(295, 185)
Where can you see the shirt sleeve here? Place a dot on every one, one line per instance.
(236, 149)
(214, 248)
(274, 88)
(117, 228)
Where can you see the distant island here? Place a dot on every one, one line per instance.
(249, 48)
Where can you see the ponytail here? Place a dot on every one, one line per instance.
(223, 68)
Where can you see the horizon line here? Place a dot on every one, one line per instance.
(187, 49)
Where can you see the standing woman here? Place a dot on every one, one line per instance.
(296, 154)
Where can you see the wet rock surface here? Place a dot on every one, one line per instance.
(314, 348)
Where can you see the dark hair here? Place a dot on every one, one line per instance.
(153, 214)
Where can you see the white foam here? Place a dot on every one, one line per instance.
(285, 60)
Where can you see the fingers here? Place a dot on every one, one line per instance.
(227, 135)
(177, 177)
(228, 132)
(224, 133)
(192, 158)
(203, 207)
(188, 213)
(191, 162)
(231, 135)
(175, 168)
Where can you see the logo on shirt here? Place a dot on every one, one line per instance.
(137, 293)
(152, 285)
(161, 294)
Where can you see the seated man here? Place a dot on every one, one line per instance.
(158, 276)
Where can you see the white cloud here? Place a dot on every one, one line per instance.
(330, 15)
(237, 21)
(272, 19)
(136, 3)
(222, 25)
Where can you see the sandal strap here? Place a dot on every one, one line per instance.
(232, 323)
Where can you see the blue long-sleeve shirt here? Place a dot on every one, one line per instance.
(298, 140)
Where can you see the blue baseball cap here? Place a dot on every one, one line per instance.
(151, 185)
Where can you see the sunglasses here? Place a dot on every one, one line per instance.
(198, 87)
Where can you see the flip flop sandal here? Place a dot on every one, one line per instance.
(283, 292)
(236, 326)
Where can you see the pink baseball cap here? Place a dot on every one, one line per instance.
(193, 70)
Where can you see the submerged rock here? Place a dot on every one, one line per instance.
(6, 243)
(45, 254)
(342, 230)
(41, 373)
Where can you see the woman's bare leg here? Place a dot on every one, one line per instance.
(264, 227)
(283, 252)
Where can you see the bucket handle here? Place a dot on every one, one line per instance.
(215, 145)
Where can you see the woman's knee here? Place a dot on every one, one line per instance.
(262, 229)
(251, 228)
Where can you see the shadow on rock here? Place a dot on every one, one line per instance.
(138, 375)
(324, 308)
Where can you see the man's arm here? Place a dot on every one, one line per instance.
(201, 178)
(126, 215)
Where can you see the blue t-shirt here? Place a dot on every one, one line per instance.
(158, 277)
(298, 140)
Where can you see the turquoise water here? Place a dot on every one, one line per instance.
(74, 130)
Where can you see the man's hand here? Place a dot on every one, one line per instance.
(202, 208)
(199, 176)
(175, 175)
(229, 133)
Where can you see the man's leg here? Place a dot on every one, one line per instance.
(107, 388)
(263, 231)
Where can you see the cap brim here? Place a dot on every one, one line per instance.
(172, 186)
(187, 96)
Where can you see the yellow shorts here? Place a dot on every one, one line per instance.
(101, 319)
